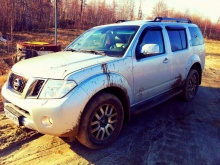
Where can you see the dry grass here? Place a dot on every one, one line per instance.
(3, 79)
(46, 35)
(212, 47)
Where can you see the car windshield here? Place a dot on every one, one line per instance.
(108, 40)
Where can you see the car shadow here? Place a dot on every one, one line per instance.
(174, 132)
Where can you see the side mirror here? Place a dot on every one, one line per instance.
(150, 49)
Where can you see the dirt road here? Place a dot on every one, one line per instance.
(174, 132)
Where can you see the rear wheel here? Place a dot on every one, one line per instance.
(101, 121)
(191, 85)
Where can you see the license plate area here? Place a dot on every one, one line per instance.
(13, 115)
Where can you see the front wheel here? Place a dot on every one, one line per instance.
(101, 121)
(191, 85)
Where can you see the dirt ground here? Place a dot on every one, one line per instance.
(174, 132)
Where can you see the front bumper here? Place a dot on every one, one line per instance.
(64, 113)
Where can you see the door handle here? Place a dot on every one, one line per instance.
(166, 60)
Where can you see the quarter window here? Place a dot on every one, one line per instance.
(196, 36)
(178, 39)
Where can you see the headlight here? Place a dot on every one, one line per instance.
(56, 88)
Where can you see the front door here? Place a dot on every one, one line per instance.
(151, 72)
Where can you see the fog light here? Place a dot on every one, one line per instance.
(47, 121)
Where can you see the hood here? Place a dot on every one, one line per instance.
(58, 65)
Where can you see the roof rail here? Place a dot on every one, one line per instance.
(160, 19)
(119, 21)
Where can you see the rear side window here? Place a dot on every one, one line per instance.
(196, 35)
(178, 39)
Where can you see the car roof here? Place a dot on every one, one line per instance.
(148, 22)
(157, 21)
(137, 22)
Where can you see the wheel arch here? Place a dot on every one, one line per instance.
(121, 95)
(197, 66)
(124, 99)
(110, 83)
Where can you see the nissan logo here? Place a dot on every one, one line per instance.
(17, 84)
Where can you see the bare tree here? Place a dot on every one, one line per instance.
(160, 9)
(140, 10)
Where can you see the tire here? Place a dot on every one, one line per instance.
(101, 121)
(191, 85)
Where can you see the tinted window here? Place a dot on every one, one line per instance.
(154, 37)
(178, 39)
(196, 35)
(183, 38)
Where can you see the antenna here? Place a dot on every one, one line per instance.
(55, 22)
(140, 11)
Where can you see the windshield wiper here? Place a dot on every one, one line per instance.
(72, 50)
(98, 52)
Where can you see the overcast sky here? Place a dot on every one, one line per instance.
(207, 8)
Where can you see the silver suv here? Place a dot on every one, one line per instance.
(90, 89)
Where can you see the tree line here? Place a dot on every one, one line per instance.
(26, 15)
(209, 29)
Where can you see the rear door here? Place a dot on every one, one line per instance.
(179, 53)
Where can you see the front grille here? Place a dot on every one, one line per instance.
(17, 83)
(38, 87)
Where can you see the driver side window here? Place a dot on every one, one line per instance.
(153, 37)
